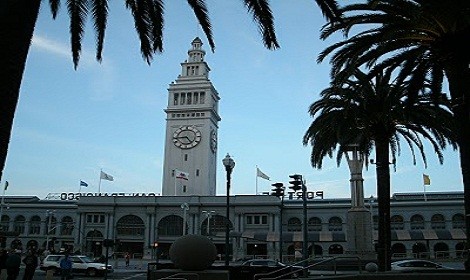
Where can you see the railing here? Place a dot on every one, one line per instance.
(175, 276)
(298, 271)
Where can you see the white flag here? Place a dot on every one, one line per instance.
(105, 176)
(259, 173)
(181, 175)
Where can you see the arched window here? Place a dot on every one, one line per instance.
(66, 225)
(441, 250)
(438, 221)
(130, 225)
(314, 224)
(397, 222)
(19, 224)
(5, 223)
(417, 222)
(458, 221)
(171, 226)
(35, 225)
(294, 224)
(335, 224)
(398, 250)
(219, 224)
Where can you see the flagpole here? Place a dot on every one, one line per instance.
(424, 192)
(3, 199)
(175, 183)
(256, 190)
(80, 186)
(99, 185)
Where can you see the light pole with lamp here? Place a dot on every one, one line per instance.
(229, 164)
(208, 217)
(185, 208)
(50, 216)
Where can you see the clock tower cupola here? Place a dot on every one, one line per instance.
(189, 166)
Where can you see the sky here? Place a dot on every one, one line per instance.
(70, 124)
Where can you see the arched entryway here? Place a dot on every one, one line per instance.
(130, 230)
(441, 250)
(419, 250)
(318, 250)
(94, 242)
(398, 250)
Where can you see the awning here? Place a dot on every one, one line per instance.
(426, 234)
(297, 236)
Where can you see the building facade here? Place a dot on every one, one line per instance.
(434, 228)
(147, 224)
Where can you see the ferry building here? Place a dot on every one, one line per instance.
(147, 224)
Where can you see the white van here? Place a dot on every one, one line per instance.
(81, 264)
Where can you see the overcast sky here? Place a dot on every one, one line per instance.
(70, 124)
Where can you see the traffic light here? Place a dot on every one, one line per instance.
(296, 183)
(278, 189)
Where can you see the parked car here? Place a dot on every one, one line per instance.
(257, 266)
(81, 264)
(417, 265)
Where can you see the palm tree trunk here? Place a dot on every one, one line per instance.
(17, 22)
(382, 154)
(459, 88)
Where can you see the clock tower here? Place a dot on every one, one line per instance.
(192, 118)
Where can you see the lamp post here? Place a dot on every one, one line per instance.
(229, 164)
(208, 217)
(185, 208)
(49, 215)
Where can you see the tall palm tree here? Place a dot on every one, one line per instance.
(18, 19)
(375, 114)
(427, 38)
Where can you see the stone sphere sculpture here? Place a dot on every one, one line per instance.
(371, 267)
(193, 252)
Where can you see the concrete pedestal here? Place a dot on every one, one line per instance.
(359, 235)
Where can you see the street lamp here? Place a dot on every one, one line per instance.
(208, 217)
(229, 164)
(50, 216)
(185, 207)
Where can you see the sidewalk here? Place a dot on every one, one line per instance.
(135, 265)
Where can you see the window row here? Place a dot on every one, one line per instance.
(188, 98)
(187, 115)
(315, 224)
(438, 221)
(35, 225)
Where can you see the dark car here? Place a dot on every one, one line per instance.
(418, 265)
(255, 267)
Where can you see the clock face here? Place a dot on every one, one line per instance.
(186, 137)
(213, 140)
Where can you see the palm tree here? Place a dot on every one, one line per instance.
(18, 19)
(377, 113)
(425, 38)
